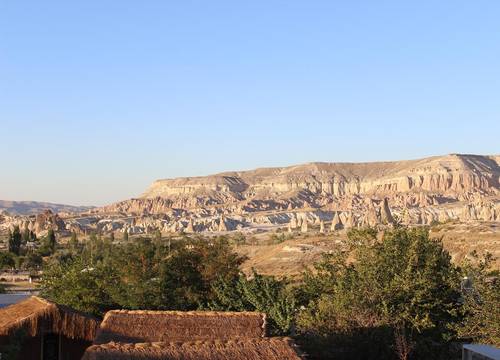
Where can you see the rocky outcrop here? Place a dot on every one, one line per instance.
(456, 174)
(336, 222)
(385, 213)
(38, 224)
(330, 196)
(304, 227)
(342, 195)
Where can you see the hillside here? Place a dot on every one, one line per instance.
(34, 207)
(327, 196)
(441, 188)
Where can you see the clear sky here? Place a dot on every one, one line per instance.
(98, 98)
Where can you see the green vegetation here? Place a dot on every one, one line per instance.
(259, 293)
(481, 304)
(396, 296)
(49, 244)
(15, 241)
(143, 274)
(7, 260)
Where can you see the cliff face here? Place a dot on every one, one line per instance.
(328, 196)
(457, 175)
(458, 187)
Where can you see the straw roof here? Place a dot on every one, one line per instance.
(35, 314)
(167, 326)
(248, 349)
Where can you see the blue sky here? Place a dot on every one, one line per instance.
(99, 98)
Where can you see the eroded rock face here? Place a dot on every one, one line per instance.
(341, 195)
(452, 174)
(310, 197)
(39, 224)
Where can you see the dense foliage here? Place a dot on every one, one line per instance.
(259, 293)
(395, 295)
(142, 274)
(14, 241)
(383, 299)
(481, 304)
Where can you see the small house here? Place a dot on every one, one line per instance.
(140, 326)
(245, 349)
(176, 335)
(37, 329)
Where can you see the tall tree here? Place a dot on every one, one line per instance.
(394, 298)
(481, 303)
(259, 293)
(51, 241)
(26, 234)
(6, 260)
(15, 241)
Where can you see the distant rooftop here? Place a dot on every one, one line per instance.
(9, 299)
(490, 352)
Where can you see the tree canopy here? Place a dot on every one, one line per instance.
(390, 296)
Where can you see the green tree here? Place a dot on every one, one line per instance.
(260, 293)
(188, 273)
(137, 284)
(26, 236)
(32, 261)
(14, 242)
(49, 244)
(481, 303)
(79, 284)
(396, 298)
(6, 260)
(51, 240)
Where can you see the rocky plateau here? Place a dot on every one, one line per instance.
(310, 197)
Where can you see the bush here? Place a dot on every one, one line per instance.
(395, 299)
(260, 293)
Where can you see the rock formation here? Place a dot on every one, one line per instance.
(454, 187)
(222, 225)
(385, 213)
(304, 228)
(190, 227)
(336, 222)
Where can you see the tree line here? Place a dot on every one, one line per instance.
(396, 296)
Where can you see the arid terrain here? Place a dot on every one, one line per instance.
(338, 195)
(298, 251)
(458, 195)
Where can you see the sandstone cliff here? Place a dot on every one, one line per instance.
(309, 197)
(458, 187)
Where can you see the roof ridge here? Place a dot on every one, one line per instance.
(191, 312)
(234, 340)
(42, 300)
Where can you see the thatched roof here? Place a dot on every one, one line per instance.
(248, 349)
(166, 326)
(36, 314)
